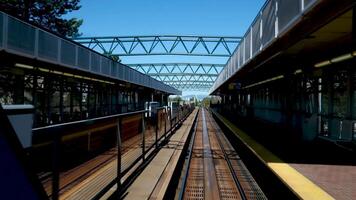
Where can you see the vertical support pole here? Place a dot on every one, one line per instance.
(55, 166)
(354, 26)
(156, 128)
(143, 137)
(19, 89)
(61, 97)
(48, 97)
(81, 100)
(118, 137)
(71, 99)
(34, 97)
(95, 93)
(330, 85)
(111, 90)
(165, 123)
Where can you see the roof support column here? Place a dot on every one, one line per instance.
(354, 25)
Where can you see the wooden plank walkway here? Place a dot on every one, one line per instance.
(153, 181)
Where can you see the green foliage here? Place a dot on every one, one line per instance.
(46, 13)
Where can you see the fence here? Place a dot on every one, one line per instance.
(274, 20)
(65, 155)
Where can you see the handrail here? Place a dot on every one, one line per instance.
(56, 133)
(69, 125)
(239, 58)
(102, 66)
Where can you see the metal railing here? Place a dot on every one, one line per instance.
(274, 20)
(24, 39)
(64, 155)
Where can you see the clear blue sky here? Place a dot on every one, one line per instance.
(158, 17)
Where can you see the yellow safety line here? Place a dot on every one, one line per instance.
(299, 184)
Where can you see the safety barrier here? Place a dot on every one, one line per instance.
(275, 19)
(65, 155)
(21, 38)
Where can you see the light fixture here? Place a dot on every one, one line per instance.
(43, 69)
(265, 81)
(23, 66)
(322, 64)
(57, 72)
(341, 58)
(336, 59)
(298, 71)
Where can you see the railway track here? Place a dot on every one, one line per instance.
(214, 169)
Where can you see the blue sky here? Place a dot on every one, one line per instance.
(159, 17)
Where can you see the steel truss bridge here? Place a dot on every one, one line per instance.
(183, 76)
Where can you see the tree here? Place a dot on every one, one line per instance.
(46, 13)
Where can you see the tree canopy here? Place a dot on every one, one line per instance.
(46, 13)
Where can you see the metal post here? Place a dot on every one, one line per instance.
(170, 118)
(48, 97)
(165, 124)
(71, 100)
(118, 137)
(354, 25)
(143, 137)
(55, 166)
(81, 100)
(61, 91)
(156, 131)
(34, 97)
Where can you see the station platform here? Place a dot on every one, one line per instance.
(320, 170)
(210, 168)
(153, 181)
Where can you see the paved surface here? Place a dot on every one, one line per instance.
(294, 177)
(338, 180)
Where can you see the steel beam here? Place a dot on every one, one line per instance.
(187, 45)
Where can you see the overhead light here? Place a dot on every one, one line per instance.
(342, 58)
(43, 69)
(68, 74)
(298, 71)
(336, 59)
(265, 81)
(23, 66)
(322, 64)
(57, 72)
(77, 76)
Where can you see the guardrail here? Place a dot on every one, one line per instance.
(21, 38)
(275, 19)
(63, 155)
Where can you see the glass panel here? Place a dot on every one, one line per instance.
(287, 10)
(68, 53)
(41, 156)
(268, 20)
(18, 29)
(47, 45)
(131, 140)
(83, 58)
(161, 116)
(150, 131)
